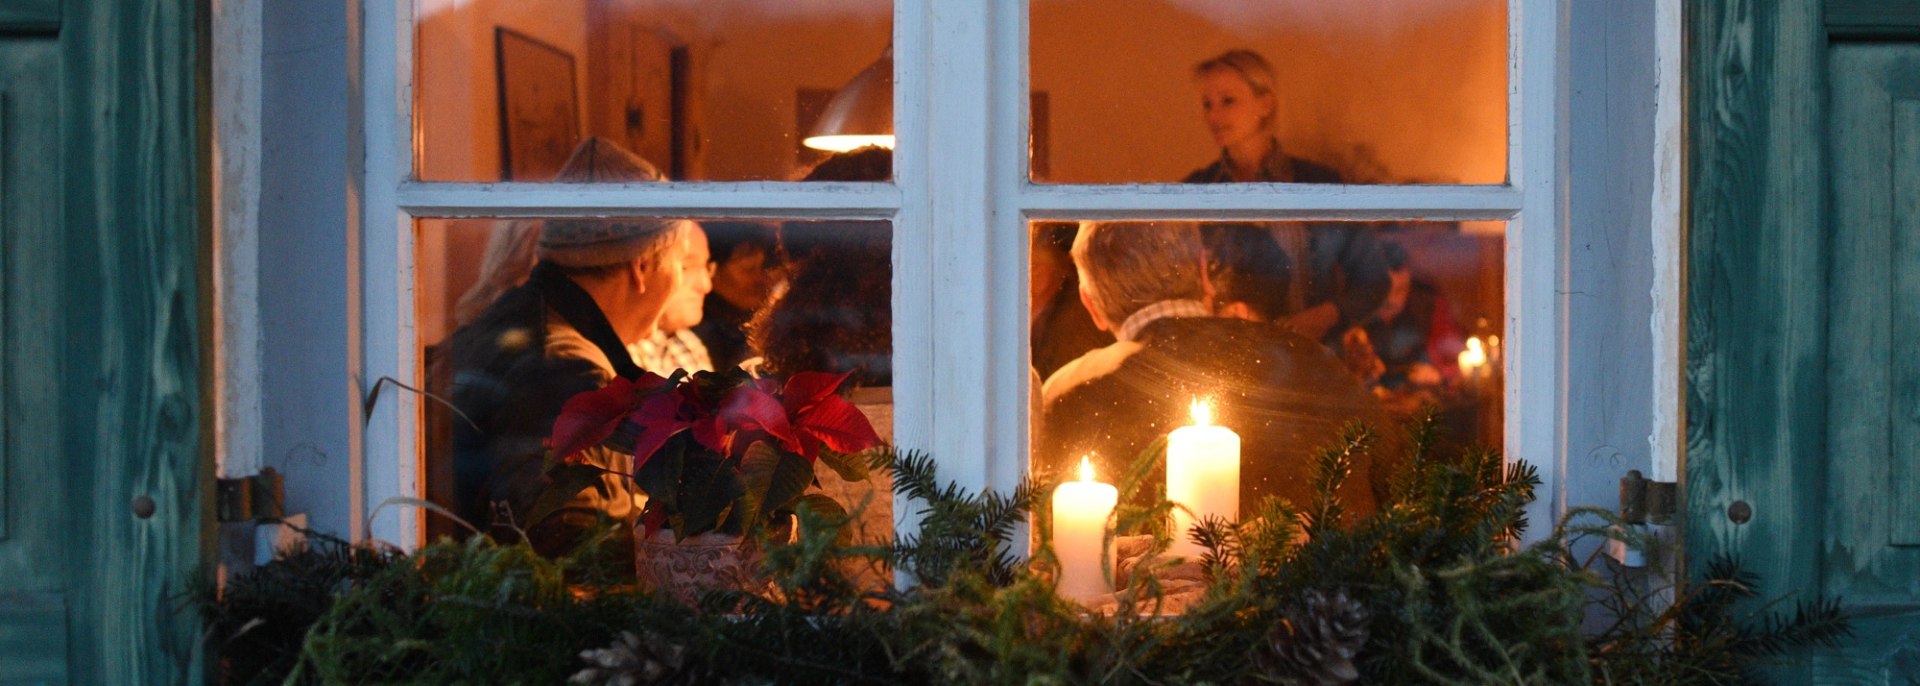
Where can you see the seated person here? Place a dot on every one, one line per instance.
(1061, 328)
(837, 312)
(746, 269)
(674, 345)
(1284, 394)
(1250, 273)
(599, 285)
(1414, 332)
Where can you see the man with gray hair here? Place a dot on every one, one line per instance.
(1287, 397)
(599, 286)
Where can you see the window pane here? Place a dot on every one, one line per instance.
(719, 90)
(1411, 91)
(1134, 321)
(507, 312)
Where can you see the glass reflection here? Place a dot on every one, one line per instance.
(721, 90)
(1305, 91)
(517, 316)
(1134, 321)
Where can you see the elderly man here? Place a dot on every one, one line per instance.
(674, 346)
(599, 286)
(1284, 394)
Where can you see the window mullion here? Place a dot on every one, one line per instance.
(698, 200)
(1251, 202)
(947, 301)
(384, 462)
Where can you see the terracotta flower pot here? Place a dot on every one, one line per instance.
(665, 564)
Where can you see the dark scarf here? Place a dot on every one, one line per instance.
(577, 307)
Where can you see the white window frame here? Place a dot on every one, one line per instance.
(960, 253)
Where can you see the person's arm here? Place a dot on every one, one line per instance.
(1358, 252)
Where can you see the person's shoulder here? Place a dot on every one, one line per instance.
(1213, 172)
(1309, 171)
(1096, 364)
(566, 348)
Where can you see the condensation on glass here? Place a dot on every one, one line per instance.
(713, 90)
(773, 297)
(1287, 331)
(1407, 92)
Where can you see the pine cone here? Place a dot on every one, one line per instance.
(1314, 643)
(632, 661)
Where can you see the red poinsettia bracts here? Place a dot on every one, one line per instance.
(800, 417)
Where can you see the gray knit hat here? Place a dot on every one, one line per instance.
(598, 242)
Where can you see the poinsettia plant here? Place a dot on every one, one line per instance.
(720, 451)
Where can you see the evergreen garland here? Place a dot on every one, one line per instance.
(1430, 589)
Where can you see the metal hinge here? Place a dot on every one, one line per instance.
(253, 498)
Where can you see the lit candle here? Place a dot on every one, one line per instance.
(1203, 476)
(1473, 358)
(1080, 511)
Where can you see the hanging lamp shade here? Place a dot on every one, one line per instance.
(861, 114)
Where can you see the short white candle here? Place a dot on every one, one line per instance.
(1203, 476)
(1080, 512)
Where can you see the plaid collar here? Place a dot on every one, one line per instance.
(1158, 311)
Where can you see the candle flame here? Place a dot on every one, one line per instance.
(1086, 469)
(1474, 344)
(1202, 412)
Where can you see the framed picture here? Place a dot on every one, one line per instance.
(539, 106)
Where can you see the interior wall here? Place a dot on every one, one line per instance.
(1389, 89)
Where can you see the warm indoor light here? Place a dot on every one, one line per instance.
(860, 114)
(1202, 412)
(848, 142)
(1474, 357)
(1086, 468)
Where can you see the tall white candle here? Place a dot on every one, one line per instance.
(1080, 512)
(1203, 476)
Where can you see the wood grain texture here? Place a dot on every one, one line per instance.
(1874, 19)
(1756, 328)
(3, 316)
(131, 379)
(1904, 505)
(40, 488)
(1862, 461)
(33, 638)
(29, 16)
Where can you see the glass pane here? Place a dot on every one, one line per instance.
(715, 90)
(1133, 323)
(1312, 91)
(516, 316)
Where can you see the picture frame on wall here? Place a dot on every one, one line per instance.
(539, 106)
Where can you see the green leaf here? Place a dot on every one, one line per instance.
(708, 492)
(849, 466)
(774, 479)
(660, 477)
(828, 512)
(564, 481)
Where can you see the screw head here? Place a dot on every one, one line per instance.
(143, 506)
(1739, 512)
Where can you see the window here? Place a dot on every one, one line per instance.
(968, 120)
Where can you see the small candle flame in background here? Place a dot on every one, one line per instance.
(1202, 412)
(1474, 357)
(1086, 468)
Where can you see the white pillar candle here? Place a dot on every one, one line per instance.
(1203, 476)
(1080, 512)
